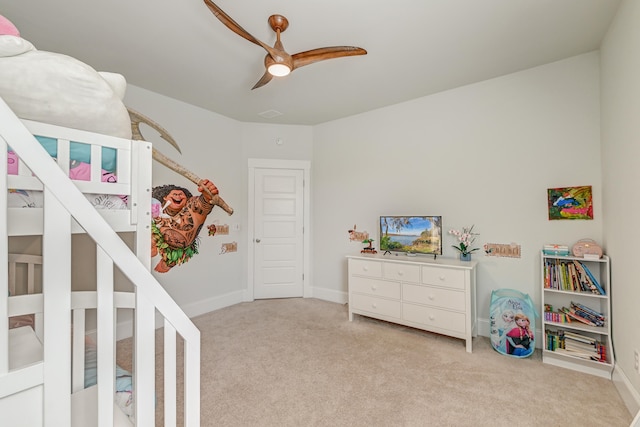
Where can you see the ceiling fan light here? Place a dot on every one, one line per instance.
(279, 70)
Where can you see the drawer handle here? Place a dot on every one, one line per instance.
(441, 278)
(431, 297)
(374, 288)
(374, 305)
(365, 268)
(400, 273)
(432, 317)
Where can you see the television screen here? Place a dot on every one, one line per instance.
(411, 234)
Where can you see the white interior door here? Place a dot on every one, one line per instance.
(278, 244)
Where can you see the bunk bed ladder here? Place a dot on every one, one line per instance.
(64, 204)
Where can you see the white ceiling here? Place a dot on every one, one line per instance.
(415, 47)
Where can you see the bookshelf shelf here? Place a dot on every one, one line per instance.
(575, 286)
(586, 294)
(578, 327)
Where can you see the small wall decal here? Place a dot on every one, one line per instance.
(228, 247)
(220, 229)
(358, 236)
(511, 250)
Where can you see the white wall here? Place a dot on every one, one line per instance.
(484, 154)
(214, 147)
(620, 153)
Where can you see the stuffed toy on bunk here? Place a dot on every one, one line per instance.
(58, 89)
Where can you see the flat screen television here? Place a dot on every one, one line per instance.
(411, 234)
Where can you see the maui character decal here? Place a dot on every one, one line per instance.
(178, 219)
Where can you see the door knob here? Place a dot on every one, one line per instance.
(257, 240)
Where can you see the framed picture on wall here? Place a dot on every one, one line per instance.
(570, 203)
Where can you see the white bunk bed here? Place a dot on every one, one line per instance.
(42, 363)
(26, 337)
(127, 163)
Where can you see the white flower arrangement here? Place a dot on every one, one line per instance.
(466, 237)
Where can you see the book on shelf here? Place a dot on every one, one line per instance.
(588, 278)
(554, 249)
(570, 275)
(555, 316)
(575, 316)
(579, 337)
(570, 344)
(588, 310)
(585, 312)
(581, 355)
(559, 341)
(593, 279)
(554, 339)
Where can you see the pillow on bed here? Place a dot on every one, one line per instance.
(24, 199)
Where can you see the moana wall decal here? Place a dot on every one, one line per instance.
(178, 217)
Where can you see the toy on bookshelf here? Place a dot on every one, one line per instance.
(587, 249)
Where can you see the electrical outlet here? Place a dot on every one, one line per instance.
(636, 361)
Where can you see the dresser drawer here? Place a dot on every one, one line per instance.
(374, 305)
(437, 297)
(434, 318)
(365, 268)
(402, 272)
(374, 287)
(446, 277)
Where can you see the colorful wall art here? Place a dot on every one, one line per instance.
(570, 203)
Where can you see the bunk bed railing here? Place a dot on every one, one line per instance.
(63, 200)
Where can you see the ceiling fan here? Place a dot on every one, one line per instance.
(277, 61)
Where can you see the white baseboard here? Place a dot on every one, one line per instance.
(629, 395)
(484, 329)
(124, 329)
(330, 295)
(212, 304)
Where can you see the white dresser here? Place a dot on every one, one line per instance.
(435, 295)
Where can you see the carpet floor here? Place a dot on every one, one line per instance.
(300, 362)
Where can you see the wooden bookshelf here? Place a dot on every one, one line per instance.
(563, 285)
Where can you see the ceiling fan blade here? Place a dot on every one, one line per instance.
(234, 26)
(310, 56)
(266, 78)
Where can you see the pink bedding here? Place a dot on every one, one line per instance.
(80, 171)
